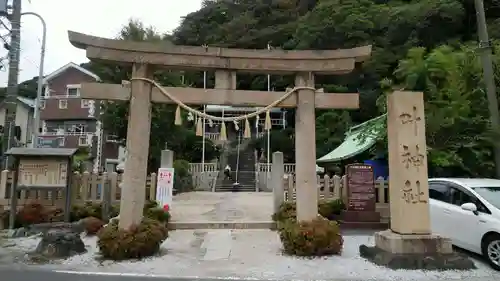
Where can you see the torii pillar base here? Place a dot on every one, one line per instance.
(418, 251)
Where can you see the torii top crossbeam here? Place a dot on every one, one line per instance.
(211, 58)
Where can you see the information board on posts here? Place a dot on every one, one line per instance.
(360, 188)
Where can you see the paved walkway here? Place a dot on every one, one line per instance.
(222, 207)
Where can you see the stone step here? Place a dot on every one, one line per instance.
(230, 188)
(223, 225)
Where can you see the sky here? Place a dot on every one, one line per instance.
(102, 18)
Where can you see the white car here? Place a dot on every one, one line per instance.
(468, 212)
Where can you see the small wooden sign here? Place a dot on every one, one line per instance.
(49, 172)
(360, 188)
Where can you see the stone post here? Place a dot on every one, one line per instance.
(167, 158)
(410, 241)
(277, 174)
(138, 133)
(305, 150)
(409, 189)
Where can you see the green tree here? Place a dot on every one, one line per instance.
(457, 125)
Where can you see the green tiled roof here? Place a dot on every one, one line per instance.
(359, 139)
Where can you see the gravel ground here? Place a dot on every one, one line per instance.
(245, 254)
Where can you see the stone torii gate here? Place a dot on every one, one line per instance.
(146, 57)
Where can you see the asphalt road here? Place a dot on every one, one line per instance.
(31, 274)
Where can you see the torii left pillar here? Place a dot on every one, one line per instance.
(305, 149)
(133, 192)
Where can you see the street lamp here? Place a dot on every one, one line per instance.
(36, 125)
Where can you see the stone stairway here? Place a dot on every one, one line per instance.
(246, 169)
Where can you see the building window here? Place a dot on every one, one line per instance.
(85, 103)
(61, 141)
(73, 91)
(63, 104)
(42, 104)
(82, 141)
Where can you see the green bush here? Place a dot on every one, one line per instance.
(155, 212)
(319, 237)
(183, 180)
(33, 213)
(287, 211)
(91, 209)
(158, 214)
(139, 241)
(331, 209)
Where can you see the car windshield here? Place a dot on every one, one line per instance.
(490, 194)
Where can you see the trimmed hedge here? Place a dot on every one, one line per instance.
(330, 209)
(138, 242)
(319, 237)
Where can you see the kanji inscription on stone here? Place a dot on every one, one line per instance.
(411, 118)
(412, 157)
(413, 193)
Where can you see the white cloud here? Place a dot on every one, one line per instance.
(102, 18)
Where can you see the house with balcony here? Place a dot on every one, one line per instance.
(23, 129)
(68, 121)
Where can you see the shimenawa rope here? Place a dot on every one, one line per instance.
(200, 114)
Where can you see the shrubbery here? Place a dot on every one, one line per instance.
(36, 213)
(153, 211)
(330, 209)
(287, 211)
(319, 237)
(91, 209)
(33, 213)
(139, 241)
(183, 180)
(314, 238)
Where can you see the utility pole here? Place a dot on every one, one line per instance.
(489, 79)
(12, 84)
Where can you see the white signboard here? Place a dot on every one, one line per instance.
(165, 186)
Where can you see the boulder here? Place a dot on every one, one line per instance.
(60, 243)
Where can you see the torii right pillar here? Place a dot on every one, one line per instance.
(410, 243)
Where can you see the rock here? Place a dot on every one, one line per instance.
(78, 226)
(60, 243)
